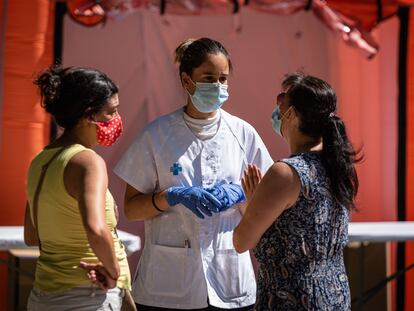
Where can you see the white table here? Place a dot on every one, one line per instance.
(11, 237)
(362, 233)
(12, 240)
(381, 231)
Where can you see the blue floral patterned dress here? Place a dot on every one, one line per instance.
(300, 255)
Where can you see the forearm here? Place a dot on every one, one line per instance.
(102, 244)
(243, 239)
(141, 207)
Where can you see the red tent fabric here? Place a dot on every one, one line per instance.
(352, 19)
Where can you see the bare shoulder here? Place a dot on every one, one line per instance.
(281, 171)
(282, 182)
(84, 169)
(87, 160)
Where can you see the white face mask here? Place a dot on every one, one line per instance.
(209, 97)
(277, 118)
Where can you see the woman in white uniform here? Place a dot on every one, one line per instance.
(183, 173)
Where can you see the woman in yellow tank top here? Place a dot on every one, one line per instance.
(70, 213)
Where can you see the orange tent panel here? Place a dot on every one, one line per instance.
(27, 48)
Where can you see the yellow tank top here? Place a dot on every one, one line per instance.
(61, 231)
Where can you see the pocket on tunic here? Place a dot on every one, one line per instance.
(226, 274)
(169, 271)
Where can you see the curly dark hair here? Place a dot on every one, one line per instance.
(71, 93)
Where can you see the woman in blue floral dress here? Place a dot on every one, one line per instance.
(297, 217)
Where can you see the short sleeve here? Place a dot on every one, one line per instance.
(137, 166)
(302, 168)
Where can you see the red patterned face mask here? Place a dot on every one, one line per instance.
(109, 131)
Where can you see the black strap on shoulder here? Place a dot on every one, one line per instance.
(39, 189)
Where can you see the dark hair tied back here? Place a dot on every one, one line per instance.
(315, 101)
(191, 53)
(49, 82)
(71, 93)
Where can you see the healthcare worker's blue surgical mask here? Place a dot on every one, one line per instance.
(209, 97)
(277, 118)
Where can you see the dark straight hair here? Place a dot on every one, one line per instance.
(315, 101)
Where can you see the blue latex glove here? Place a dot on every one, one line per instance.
(227, 194)
(196, 199)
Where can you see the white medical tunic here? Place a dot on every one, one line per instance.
(186, 259)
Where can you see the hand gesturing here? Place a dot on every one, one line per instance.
(251, 178)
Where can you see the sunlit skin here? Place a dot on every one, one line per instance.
(214, 69)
